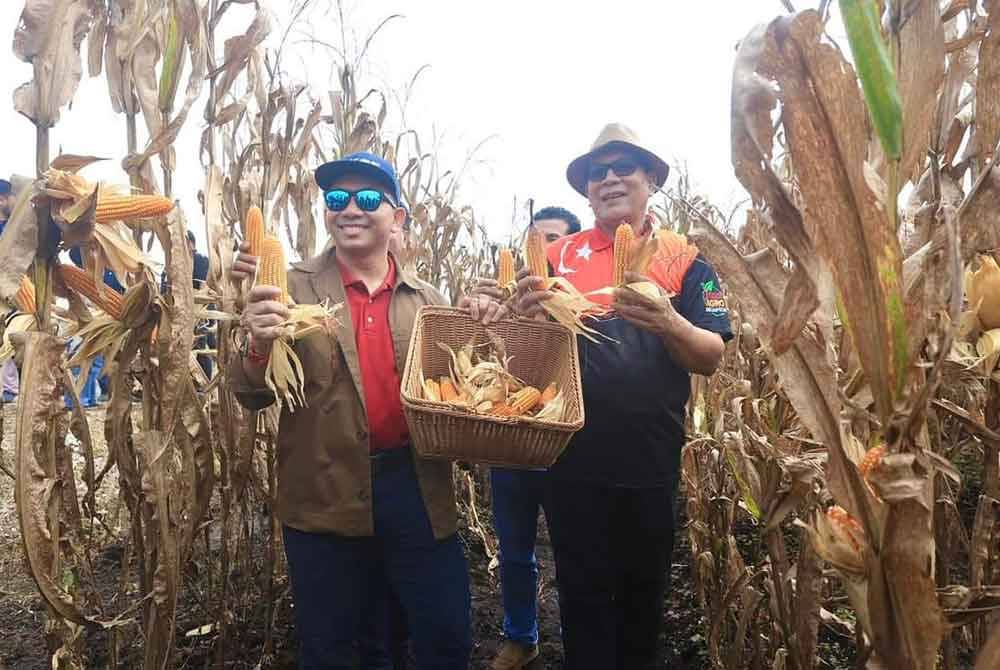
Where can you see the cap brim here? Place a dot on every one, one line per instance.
(328, 173)
(576, 173)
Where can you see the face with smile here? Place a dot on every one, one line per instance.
(359, 233)
(616, 197)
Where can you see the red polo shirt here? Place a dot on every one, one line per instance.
(379, 377)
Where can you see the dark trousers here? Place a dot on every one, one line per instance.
(612, 548)
(340, 584)
(518, 495)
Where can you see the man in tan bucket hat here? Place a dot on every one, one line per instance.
(610, 498)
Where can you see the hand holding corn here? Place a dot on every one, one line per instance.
(264, 315)
(656, 315)
(244, 264)
(530, 294)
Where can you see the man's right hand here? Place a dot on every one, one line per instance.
(244, 265)
(530, 294)
(263, 316)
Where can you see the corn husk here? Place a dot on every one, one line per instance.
(569, 307)
(19, 323)
(285, 375)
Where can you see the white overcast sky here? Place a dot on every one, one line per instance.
(541, 77)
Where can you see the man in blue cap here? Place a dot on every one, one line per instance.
(362, 513)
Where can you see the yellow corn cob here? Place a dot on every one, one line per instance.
(253, 230)
(447, 390)
(272, 270)
(25, 296)
(505, 267)
(524, 400)
(128, 207)
(871, 461)
(104, 297)
(985, 287)
(624, 237)
(534, 253)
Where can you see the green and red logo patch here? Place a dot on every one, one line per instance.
(715, 301)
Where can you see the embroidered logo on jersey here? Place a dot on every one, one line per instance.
(715, 301)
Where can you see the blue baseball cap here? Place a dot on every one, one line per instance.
(4, 187)
(363, 164)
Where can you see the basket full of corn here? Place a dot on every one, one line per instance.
(508, 394)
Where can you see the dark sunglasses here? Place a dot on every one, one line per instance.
(622, 167)
(367, 199)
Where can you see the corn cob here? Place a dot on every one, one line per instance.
(524, 400)
(548, 394)
(253, 230)
(502, 409)
(128, 207)
(984, 290)
(847, 525)
(447, 390)
(505, 267)
(25, 296)
(534, 253)
(104, 297)
(871, 461)
(272, 266)
(624, 236)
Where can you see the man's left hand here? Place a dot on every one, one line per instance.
(656, 315)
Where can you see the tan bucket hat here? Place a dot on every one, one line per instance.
(615, 135)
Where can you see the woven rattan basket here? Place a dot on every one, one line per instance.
(541, 352)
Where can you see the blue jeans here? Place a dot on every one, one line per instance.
(91, 392)
(340, 584)
(517, 497)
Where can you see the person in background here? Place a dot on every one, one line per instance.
(95, 389)
(360, 510)
(518, 495)
(204, 335)
(610, 494)
(8, 375)
(556, 223)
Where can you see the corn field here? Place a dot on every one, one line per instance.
(842, 475)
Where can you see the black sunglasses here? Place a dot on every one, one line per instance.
(367, 199)
(622, 167)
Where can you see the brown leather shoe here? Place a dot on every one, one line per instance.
(514, 656)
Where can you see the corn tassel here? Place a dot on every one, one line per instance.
(253, 230)
(109, 300)
(505, 267)
(128, 207)
(534, 253)
(624, 236)
(25, 296)
(272, 266)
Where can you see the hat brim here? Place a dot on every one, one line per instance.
(576, 173)
(328, 173)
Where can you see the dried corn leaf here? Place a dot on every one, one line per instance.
(19, 323)
(38, 488)
(48, 37)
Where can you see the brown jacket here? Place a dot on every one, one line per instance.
(324, 474)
